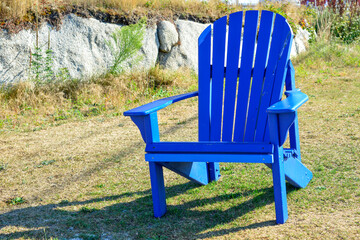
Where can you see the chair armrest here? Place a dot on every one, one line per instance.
(158, 104)
(294, 100)
(282, 115)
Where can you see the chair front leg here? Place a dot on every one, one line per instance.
(278, 170)
(158, 189)
(279, 186)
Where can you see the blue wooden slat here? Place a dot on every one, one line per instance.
(278, 37)
(157, 189)
(216, 89)
(247, 56)
(262, 52)
(209, 147)
(280, 73)
(204, 84)
(235, 27)
(217, 82)
(203, 157)
(296, 173)
(158, 104)
(194, 171)
(281, 68)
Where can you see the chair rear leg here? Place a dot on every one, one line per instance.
(158, 189)
(279, 186)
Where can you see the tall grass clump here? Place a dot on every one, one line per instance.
(323, 22)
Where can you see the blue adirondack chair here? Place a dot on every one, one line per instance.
(244, 67)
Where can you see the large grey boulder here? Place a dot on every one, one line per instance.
(78, 46)
(168, 35)
(186, 53)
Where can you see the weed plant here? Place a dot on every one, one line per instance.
(125, 43)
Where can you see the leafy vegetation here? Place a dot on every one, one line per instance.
(125, 44)
(16, 201)
(346, 28)
(340, 20)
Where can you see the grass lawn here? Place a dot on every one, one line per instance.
(88, 179)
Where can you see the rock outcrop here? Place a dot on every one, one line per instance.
(79, 46)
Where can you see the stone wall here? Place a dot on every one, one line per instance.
(80, 47)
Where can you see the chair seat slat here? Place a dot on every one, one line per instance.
(203, 157)
(209, 147)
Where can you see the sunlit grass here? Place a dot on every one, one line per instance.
(89, 179)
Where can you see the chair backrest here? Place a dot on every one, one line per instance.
(242, 68)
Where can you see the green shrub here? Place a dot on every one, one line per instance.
(346, 28)
(125, 43)
(346, 20)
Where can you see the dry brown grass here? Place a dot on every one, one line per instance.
(17, 10)
(32, 105)
(14, 8)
